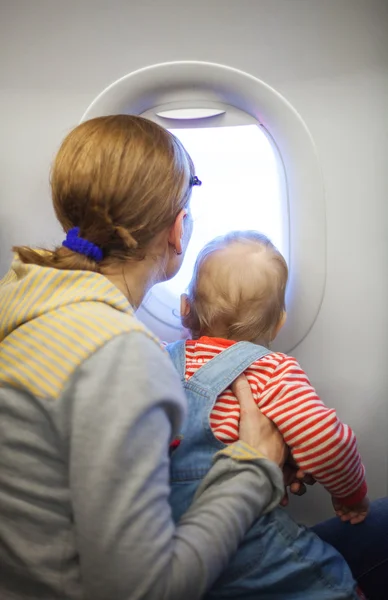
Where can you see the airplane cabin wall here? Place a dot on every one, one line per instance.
(329, 58)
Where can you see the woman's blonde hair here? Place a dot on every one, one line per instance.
(122, 180)
(238, 288)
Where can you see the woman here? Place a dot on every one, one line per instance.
(89, 402)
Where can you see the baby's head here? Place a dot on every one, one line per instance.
(237, 290)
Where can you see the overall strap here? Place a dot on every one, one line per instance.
(177, 352)
(222, 370)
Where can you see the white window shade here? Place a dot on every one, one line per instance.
(198, 113)
(189, 114)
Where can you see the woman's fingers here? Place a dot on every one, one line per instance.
(285, 500)
(255, 429)
(242, 390)
(306, 478)
(295, 479)
(298, 488)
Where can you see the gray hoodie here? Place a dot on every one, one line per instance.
(84, 454)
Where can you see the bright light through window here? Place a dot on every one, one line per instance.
(241, 189)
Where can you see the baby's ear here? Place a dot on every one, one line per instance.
(185, 311)
(282, 321)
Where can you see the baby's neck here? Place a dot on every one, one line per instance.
(198, 335)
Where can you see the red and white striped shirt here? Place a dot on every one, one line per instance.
(319, 442)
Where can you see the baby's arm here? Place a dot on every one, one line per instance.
(320, 444)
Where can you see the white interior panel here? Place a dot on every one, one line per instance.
(329, 58)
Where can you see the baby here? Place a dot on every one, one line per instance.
(234, 309)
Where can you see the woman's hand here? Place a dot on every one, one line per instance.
(295, 479)
(256, 430)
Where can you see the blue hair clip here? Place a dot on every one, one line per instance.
(195, 181)
(77, 244)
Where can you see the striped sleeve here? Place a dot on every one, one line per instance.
(320, 444)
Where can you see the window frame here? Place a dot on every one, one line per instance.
(192, 83)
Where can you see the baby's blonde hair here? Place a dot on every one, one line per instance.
(238, 288)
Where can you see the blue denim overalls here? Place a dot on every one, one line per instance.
(277, 559)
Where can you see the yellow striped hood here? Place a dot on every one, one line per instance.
(51, 320)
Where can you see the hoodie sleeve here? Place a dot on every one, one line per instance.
(126, 405)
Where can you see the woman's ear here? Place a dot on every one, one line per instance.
(175, 237)
(185, 305)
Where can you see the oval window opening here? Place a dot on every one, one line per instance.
(242, 189)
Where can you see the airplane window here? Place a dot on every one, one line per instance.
(241, 189)
(259, 167)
